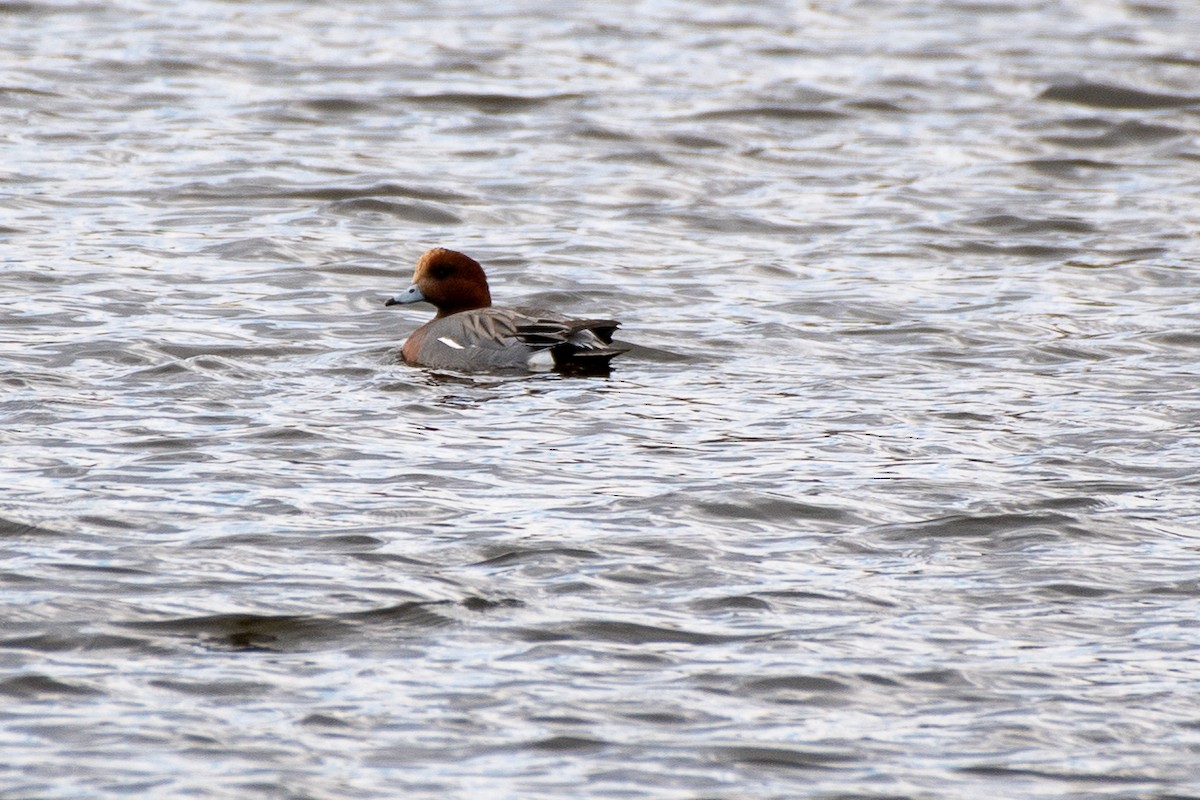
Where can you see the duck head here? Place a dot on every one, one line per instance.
(448, 280)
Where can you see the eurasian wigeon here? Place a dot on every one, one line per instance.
(470, 334)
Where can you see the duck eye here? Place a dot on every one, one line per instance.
(441, 273)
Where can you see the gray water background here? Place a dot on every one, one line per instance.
(898, 500)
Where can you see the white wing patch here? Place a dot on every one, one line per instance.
(446, 340)
(541, 360)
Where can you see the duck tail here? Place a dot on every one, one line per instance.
(577, 345)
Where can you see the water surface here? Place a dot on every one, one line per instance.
(896, 499)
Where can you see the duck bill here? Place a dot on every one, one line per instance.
(410, 295)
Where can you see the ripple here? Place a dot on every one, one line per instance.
(1076, 168)
(1122, 134)
(995, 527)
(1010, 223)
(489, 102)
(772, 112)
(412, 212)
(623, 632)
(292, 632)
(1100, 95)
(784, 757)
(775, 509)
(34, 685)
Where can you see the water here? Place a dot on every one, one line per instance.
(896, 499)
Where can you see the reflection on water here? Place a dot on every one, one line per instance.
(894, 496)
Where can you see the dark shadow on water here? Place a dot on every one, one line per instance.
(302, 632)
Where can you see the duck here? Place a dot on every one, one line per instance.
(469, 334)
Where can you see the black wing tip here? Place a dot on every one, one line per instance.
(574, 360)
